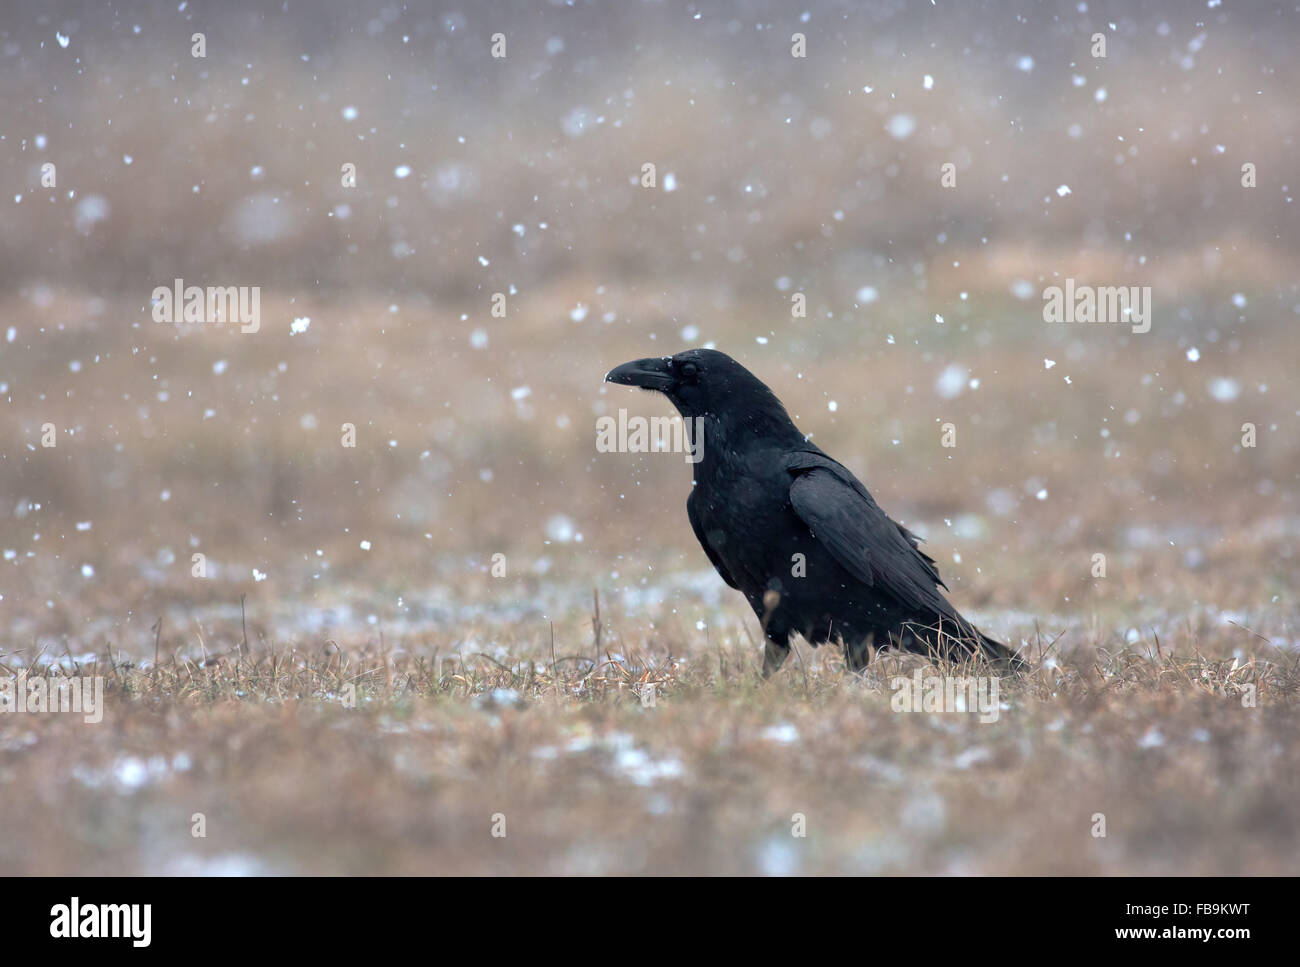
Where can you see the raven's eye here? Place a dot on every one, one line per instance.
(689, 370)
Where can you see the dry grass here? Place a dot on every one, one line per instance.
(708, 779)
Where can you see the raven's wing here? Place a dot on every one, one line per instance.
(860, 536)
(704, 542)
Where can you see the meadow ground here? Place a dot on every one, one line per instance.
(372, 658)
(465, 763)
(1161, 696)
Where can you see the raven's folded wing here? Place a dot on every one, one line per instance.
(860, 536)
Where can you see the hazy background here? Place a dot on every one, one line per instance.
(776, 175)
(786, 178)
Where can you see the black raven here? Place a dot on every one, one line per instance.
(794, 530)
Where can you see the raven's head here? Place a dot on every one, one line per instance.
(691, 379)
(702, 382)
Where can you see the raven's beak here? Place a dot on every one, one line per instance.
(651, 373)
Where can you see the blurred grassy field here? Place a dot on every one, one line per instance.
(370, 566)
(576, 776)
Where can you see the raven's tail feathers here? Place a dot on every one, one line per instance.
(966, 640)
(957, 641)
